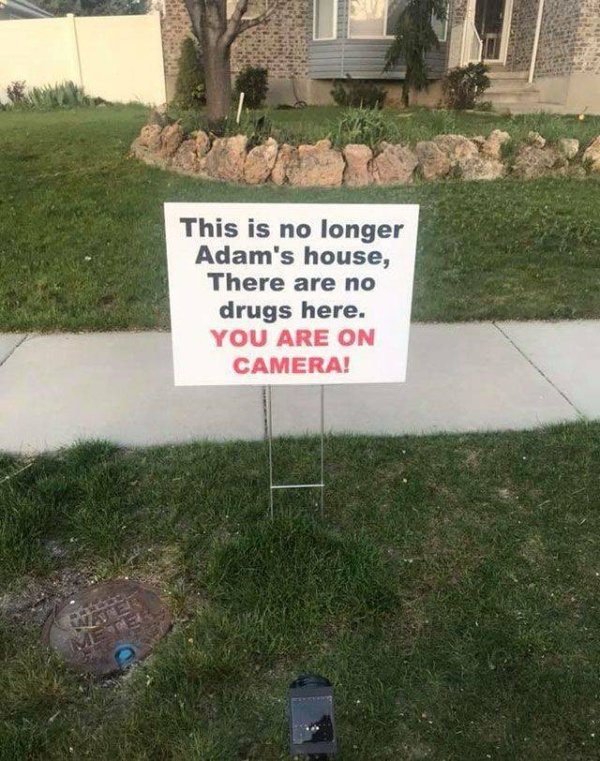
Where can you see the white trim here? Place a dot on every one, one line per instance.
(468, 19)
(536, 41)
(334, 23)
(506, 27)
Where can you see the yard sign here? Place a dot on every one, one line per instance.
(274, 294)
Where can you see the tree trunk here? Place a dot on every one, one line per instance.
(217, 70)
(405, 92)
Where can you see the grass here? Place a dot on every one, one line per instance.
(451, 594)
(82, 242)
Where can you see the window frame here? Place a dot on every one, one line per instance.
(383, 36)
(445, 22)
(335, 23)
(386, 36)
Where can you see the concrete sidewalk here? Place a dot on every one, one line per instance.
(58, 389)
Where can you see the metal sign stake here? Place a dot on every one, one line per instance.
(279, 487)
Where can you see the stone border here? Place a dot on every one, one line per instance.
(321, 165)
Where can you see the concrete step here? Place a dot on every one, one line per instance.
(511, 85)
(502, 73)
(513, 96)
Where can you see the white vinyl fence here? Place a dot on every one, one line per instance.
(118, 58)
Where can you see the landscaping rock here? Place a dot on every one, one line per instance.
(536, 140)
(492, 147)
(143, 153)
(481, 168)
(202, 144)
(569, 147)
(227, 158)
(456, 147)
(592, 156)
(433, 161)
(394, 165)
(479, 141)
(286, 156)
(186, 159)
(150, 137)
(260, 162)
(170, 139)
(317, 166)
(532, 161)
(359, 170)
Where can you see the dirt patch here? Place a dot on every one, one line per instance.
(30, 603)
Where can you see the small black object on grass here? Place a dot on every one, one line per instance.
(312, 722)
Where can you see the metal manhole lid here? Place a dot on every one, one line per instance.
(108, 626)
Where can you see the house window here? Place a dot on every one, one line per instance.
(374, 18)
(378, 18)
(440, 27)
(255, 8)
(325, 19)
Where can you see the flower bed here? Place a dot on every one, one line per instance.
(231, 159)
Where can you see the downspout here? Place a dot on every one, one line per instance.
(345, 16)
(536, 41)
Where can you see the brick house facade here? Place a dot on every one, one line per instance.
(281, 46)
(553, 43)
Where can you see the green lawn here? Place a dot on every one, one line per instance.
(82, 244)
(451, 594)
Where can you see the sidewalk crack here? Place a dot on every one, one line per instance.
(4, 360)
(540, 371)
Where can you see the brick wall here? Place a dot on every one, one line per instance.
(522, 33)
(569, 37)
(558, 38)
(175, 27)
(586, 52)
(280, 45)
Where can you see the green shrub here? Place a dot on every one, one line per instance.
(190, 91)
(358, 93)
(16, 92)
(463, 85)
(64, 95)
(253, 81)
(361, 125)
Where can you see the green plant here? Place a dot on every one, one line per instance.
(414, 37)
(257, 128)
(64, 95)
(463, 85)
(16, 92)
(253, 81)
(358, 93)
(190, 89)
(368, 126)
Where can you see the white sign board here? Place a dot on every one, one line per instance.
(273, 294)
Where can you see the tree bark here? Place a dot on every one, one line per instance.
(217, 71)
(216, 33)
(405, 92)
